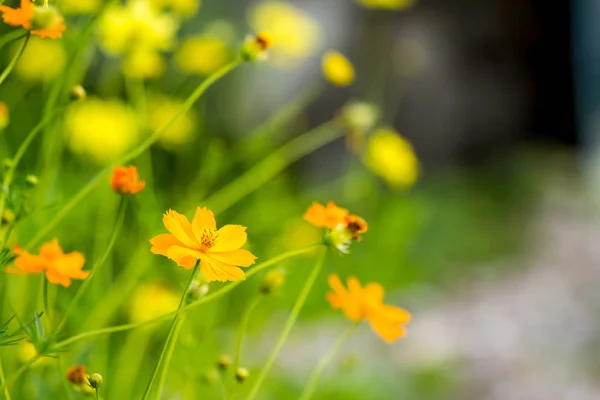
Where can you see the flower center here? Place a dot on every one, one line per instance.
(208, 238)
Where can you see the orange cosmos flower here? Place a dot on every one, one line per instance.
(366, 303)
(325, 217)
(50, 23)
(125, 180)
(59, 267)
(219, 251)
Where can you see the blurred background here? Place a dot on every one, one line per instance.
(492, 248)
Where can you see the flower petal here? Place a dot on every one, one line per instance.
(230, 237)
(51, 250)
(56, 277)
(30, 264)
(374, 293)
(183, 256)
(180, 227)
(388, 332)
(240, 257)
(392, 314)
(161, 243)
(203, 219)
(71, 264)
(334, 300)
(214, 270)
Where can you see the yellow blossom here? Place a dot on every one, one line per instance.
(79, 7)
(100, 130)
(137, 25)
(202, 55)
(151, 300)
(143, 63)
(26, 351)
(161, 109)
(392, 158)
(337, 69)
(296, 35)
(387, 4)
(42, 60)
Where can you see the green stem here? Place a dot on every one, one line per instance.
(97, 394)
(14, 162)
(14, 60)
(242, 331)
(96, 268)
(61, 376)
(324, 362)
(13, 35)
(269, 167)
(163, 374)
(8, 383)
(45, 298)
(3, 380)
(189, 102)
(288, 325)
(171, 335)
(211, 296)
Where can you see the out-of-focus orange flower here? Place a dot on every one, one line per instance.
(126, 180)
(51, 25)
(219, 251)
(356, 225)
(366, 304)
(59, 267)
(329, 216)
(77, 375)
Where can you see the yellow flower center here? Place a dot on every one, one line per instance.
(208, 239)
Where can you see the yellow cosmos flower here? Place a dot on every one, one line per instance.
(396, 5)
(392, 158)
(366, 304)
(100, 130)
(337, 69)
(161, 110)
(219, 251)
(137, 25)
(296, 35)
(42, 60)
(214, 54)
(143, 63)
(152, 300)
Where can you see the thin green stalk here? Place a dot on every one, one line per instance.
(12, 36)
(45, 299)
(242, 330)
(189, 102)
(14, 162)
(8, 383)
(171, 335)
(324, 362)
(2, 380)
(168, 356)
(223, 387)
(61, 377)
(96, 268)
(97, 394)
(269, 167)
(14, 60)
(211, 296)
(288, 325)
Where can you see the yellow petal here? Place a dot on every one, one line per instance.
(231, 237)
(180, 227)
(393, 314)
(354, 287)
(203, 219)
(51, 250)
(183, 256)
(217, 271)
(374, 293)
(334, 300)
(239, 257)
(161, 243)
(56, 277)
(70, 263)
(388, 332)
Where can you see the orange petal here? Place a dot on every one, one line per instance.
(203, 219)
(354, 287)
(388, 332)
(161, 243)
(30, 264)
(180, 227)
(239, 257)
(231, 237)
(183, 256)
(217, 271)
(334, 300)
(56, 277)
(51, 250)
(392, 314)
(336, 285)
(70, 263)
(374, 293)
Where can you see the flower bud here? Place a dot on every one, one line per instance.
(8, 163)
(45, 17)
(340, 238)
(77, 93)
(358, 118)
(241, 374)
(32, 180)
(337, 69)
(273, 280)
(77, 375)
(96, 380)
(4, 116)
(255, 47)
(7, 217)
(198, 289)
(223, 362)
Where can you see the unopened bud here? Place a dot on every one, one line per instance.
(32, 180)
(8, 163)
(211, 376)
(198, 289)
(241, 374)
(45, 17)
(4, 116)
(273, 280)
(223, 362)
(78, 93)
(96, 380)
(7, 217)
